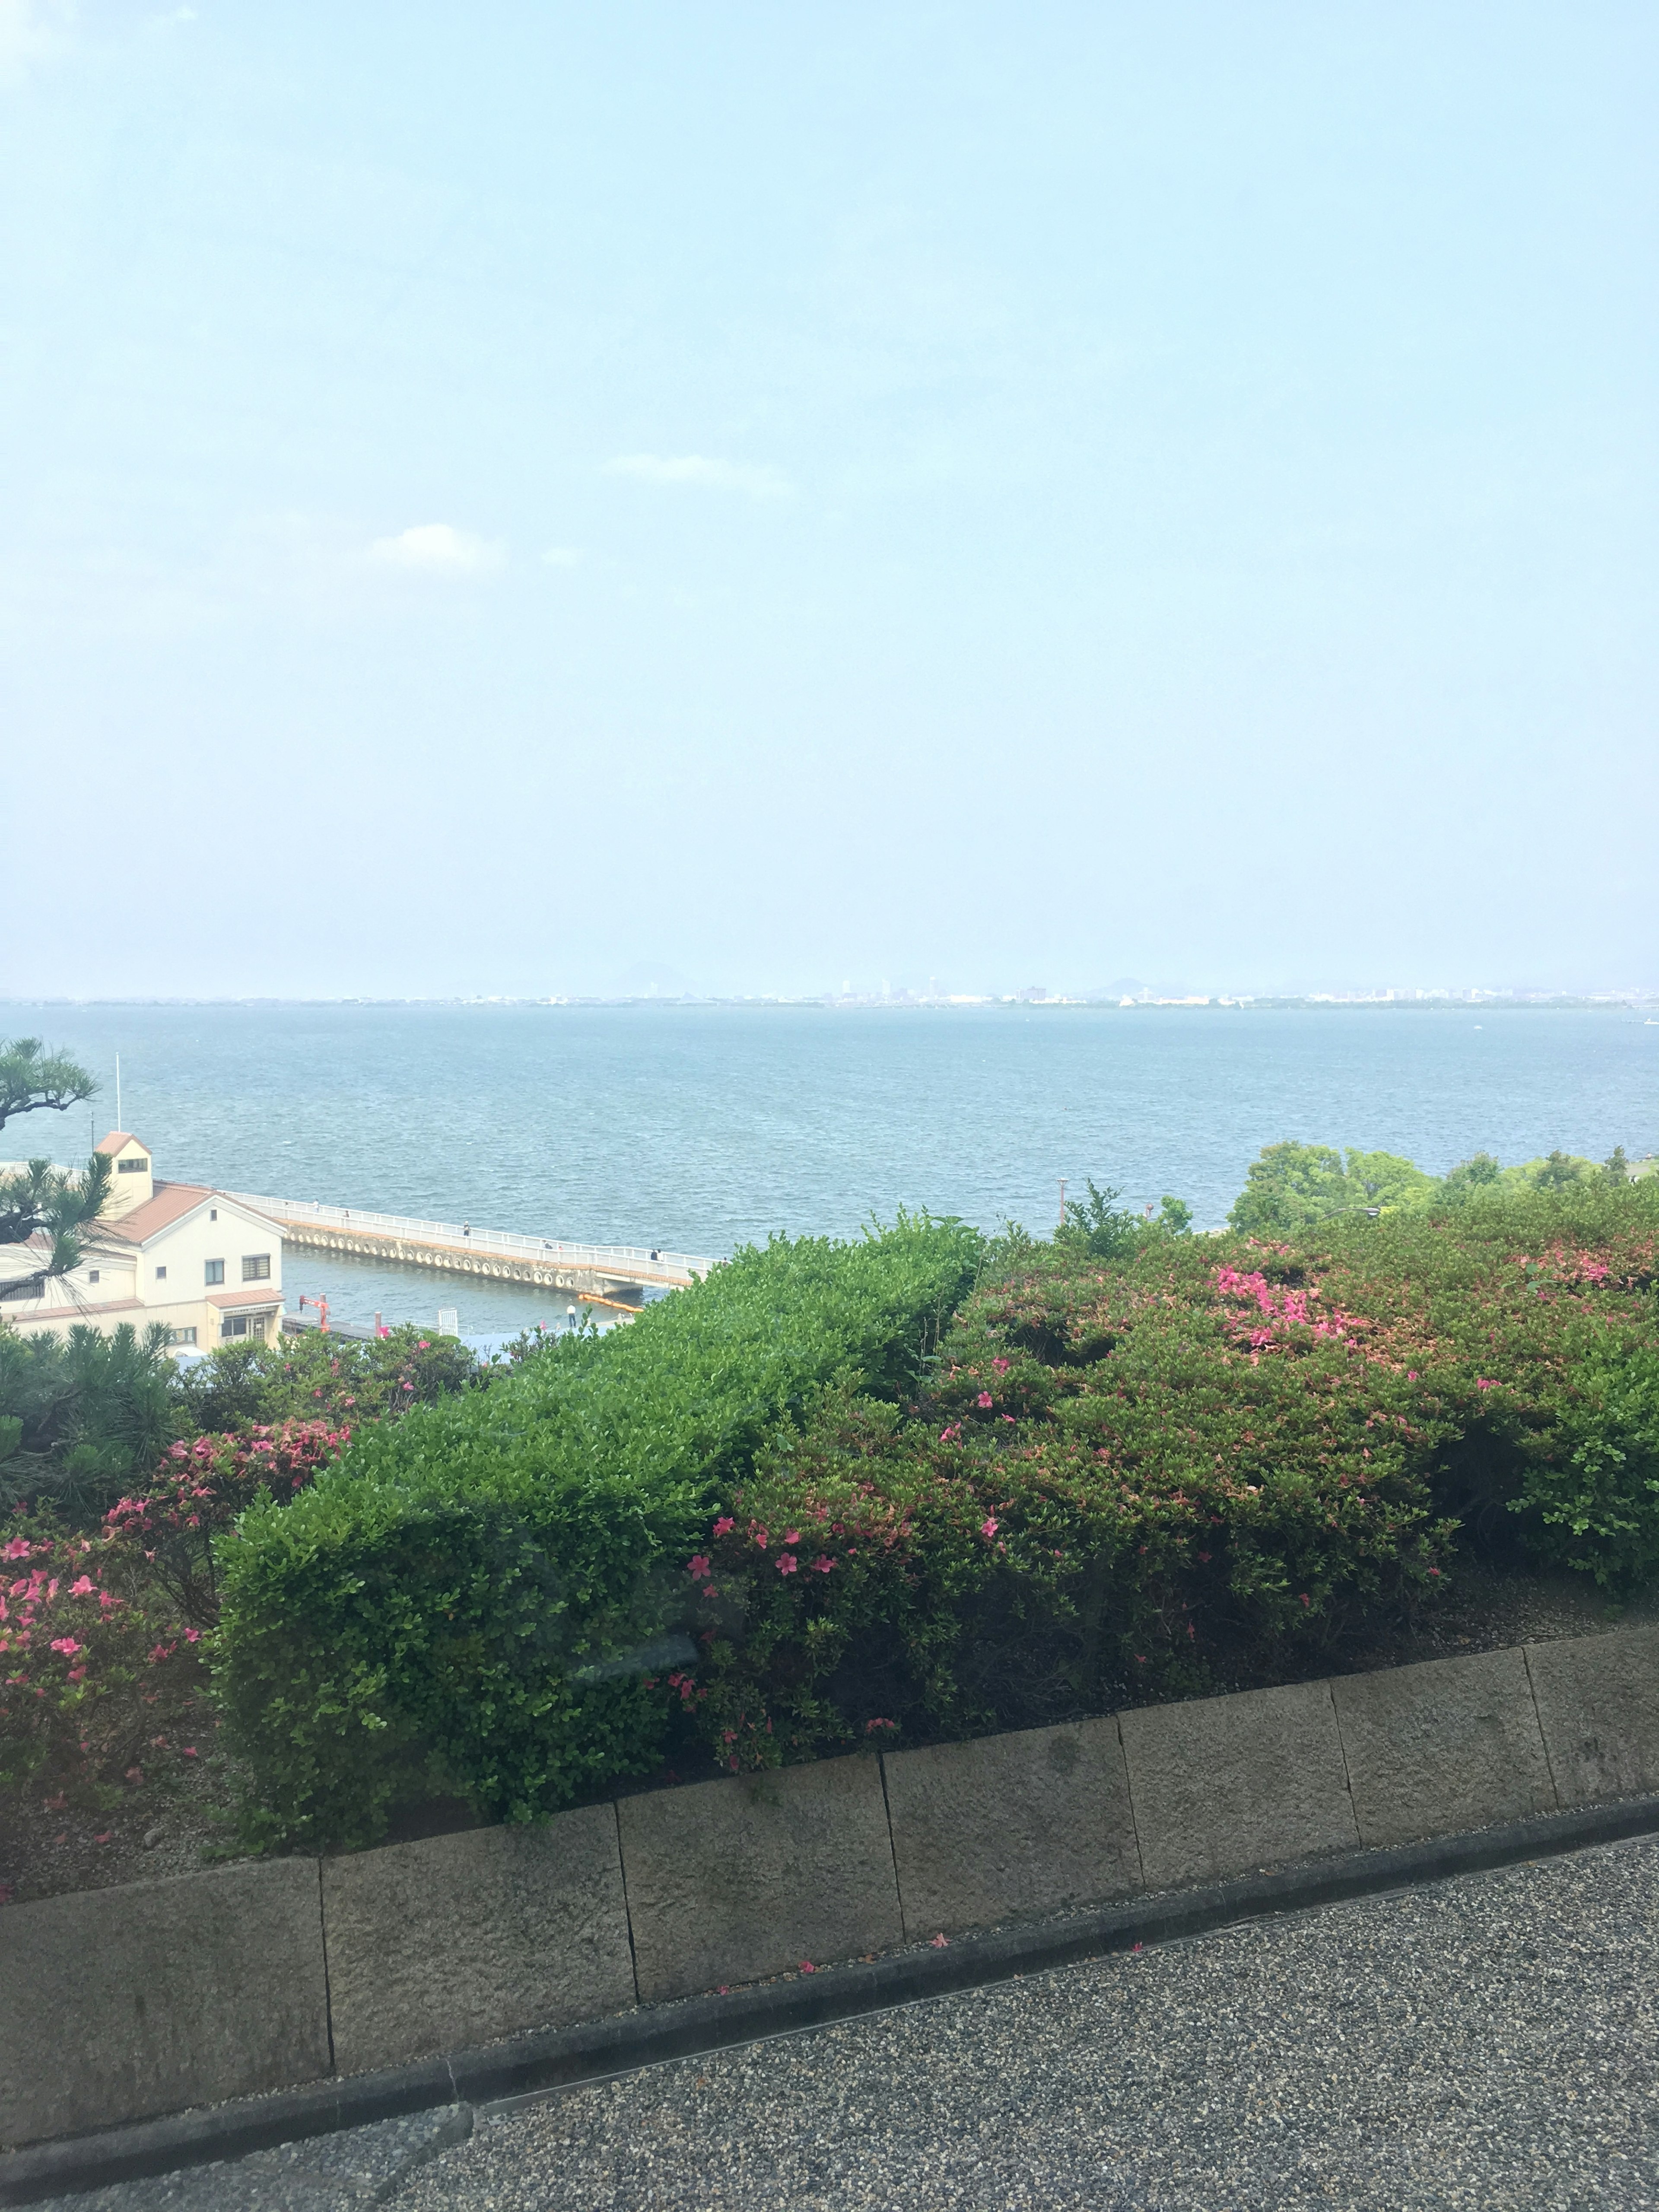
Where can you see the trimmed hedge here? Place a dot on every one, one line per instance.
(437, 1611)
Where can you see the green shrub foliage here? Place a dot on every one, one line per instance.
(83, 1415)
(1138, 1474)
(483, 1596)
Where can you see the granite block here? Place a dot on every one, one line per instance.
(732, 1880)
(1449, 1745)
(459, 1939)
(122, 2003)
(1225, 1785)
(1598, 1705)
(1011, 1826)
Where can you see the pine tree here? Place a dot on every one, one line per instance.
(38, 1198)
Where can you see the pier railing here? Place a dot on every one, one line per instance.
(633, 1262)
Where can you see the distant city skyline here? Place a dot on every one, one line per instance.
(887, 994)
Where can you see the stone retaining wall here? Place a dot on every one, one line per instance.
(131, 2002)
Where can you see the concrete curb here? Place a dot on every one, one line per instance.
(540, 2064)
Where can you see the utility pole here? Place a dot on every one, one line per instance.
(1061, 1223)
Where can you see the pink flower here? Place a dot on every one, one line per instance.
(17, 1549)
(68, 1645)
(423, 1346)
(697, 1568)
(84, 1587)
(1000, 1366)
(786, 1563)
(188, 1749)
(984, 1401)
(724, 1525)
(823, 1563)
(192, 1635)
(1410, 1375)
(987, 1529)
(941, 1942)
(1484, 1382)
(807, 1967)
(792, 1535)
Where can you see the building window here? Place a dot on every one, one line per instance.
(32, 1286)
(214, 1272)
(243, 1325)
(256, 1267)
(212, 1213)
(161, 1274)
(132, 1167)
(92, 1274)
(181, 1336)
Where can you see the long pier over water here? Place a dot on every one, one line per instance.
(623, 1272)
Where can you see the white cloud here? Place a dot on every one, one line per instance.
(561, 557)
(693, 469)
(439, 550)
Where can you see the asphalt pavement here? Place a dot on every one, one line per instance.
(1488, 2042)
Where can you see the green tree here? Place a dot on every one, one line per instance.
(1481, 1171)
(1385, 1179)
(1617, 1167)
(1290, 1187)
(1560, 1171)
(32, 1079)
(81, 1416)
(39, 1200)
(1099, 1226)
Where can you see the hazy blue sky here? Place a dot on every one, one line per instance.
(515, 498)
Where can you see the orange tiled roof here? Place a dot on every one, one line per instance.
(172, 1201)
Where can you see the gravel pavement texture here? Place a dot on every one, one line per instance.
(341, 2173)
(1487, 2042)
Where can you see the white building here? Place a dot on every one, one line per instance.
(207, 1267)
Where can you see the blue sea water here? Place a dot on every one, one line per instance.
(701, 1128)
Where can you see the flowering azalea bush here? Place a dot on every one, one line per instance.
(201, 1487)
(94, 1676)
(1145, 1475)
(102, 1631)
(320, 1376)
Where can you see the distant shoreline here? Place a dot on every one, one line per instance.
(900, 1002)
